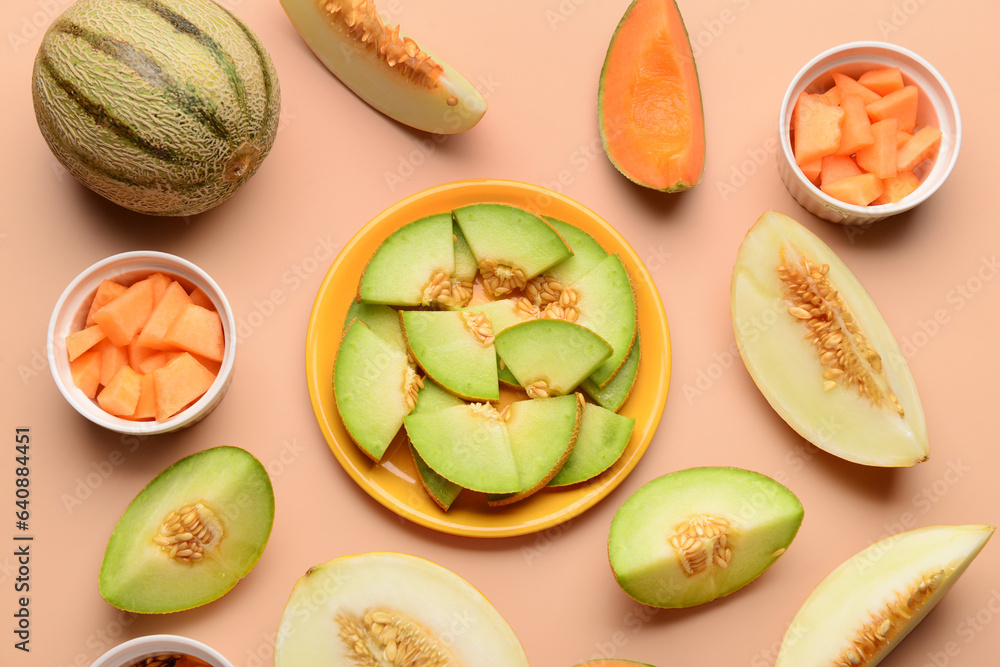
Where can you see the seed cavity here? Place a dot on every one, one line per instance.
(525, 309)
(843, 348)
(461, 293)
(542, 290)
(438, 291)
(566, 308)
(386, 638)
(500, 279)
(412, 384)
(366, 27)
(700, 541)
(185, 534)
(881, 629)
(538, 389)
(485, 410)
(480, 327)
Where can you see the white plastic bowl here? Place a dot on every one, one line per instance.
(70, 313)
(140, 648)
(936, 106)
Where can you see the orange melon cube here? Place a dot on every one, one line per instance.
(856, 130)
(880, 157)
(179, 383)
(896, 187)
(902, 138)
(160, 282)
(113, 358)
(107, 291)
(859, 190)
(816, 129)
(86, 372)
(123, 318)
(882, 80)
(145, 408)
(167, 308)
(120, 396)
(849, 86)
(837, 167)
(921, 146)
(812, 170)
(199, 331)
(833, 97)
(81, 341)
(138, 355)
(158, 359)
(198, 297)
(900, 104)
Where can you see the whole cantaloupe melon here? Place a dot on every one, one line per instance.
(166, 107)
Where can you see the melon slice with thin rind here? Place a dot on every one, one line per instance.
(614, 394)
(603, 437)
(381, 319)
(865, 607)
(587, 253)
(412, 267)
(455, 349)
(466, 268)
(431, 398)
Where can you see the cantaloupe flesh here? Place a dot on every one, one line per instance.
(200, 298)
(921, 146)
(179, 383)
(106, 292)
(856, 130)
(79, 342)
(123, 318)
(897, 187)
(837, 167)
(816, 129)
(882, 80)
(880, 158)
(113, 357)
(145, 408)
(167, 308)
(859, 190)
(650, 101)
(86, 372)
(900, 104)
(197, 330)
(121, 394)
(849, 86)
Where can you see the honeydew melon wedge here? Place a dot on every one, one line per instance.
(455, 349)
(435, 615)
(431, 398)
(504, 313)
(602, 440)
(865, 607)
(466, 268)
(587, 253)
(385, 69)
(382, 320)
(831, 368)
(412, 266)
(614, 394)
(550, 357)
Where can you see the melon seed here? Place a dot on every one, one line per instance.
(543, 290)
(185, 534)
(438, 291)
(500, 279)
(384, 638)
(700, 541)
(565, 308)
(480, 327)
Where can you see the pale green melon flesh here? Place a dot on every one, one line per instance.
(430, 398)
(542, 434)
(559, 353)
(404, 265)
(382, 320)
(139, 576)
(587, 253)
(427, 594)
(504, 375)
(453, 105)
(614, 394)
(466, 266)
(863, 590)
(433, 397)
(602, 439)
(450, 354)
(502, 313)
(763, 517)
(467, 445)
(369, 377)
(511, 236)
(787, 368)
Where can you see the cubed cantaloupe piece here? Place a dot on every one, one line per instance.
(896, 187)
(166, 311)
(138, 356)
(79, 342)
(859, 190)
(921, 146)
(812, 170)
(107, 291)
(849, 86)
(900, 104)
(86, 372)
(145, 408)
(199, 298)
(882, 80)
(160, 282)
(880, 157)
(837, 167)
(199, 331)
(179, 383)
(113, 358)
(816, 129)
(123, 317)
(120, 396)
(856, 130)
(158, 359)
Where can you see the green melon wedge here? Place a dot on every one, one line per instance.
(382, 320)
(551, 357)
(466, 268)
(431, 398)
(467, 445)
(453, 351)
(602, 440)
(502, 314)
(412, 266)
(614, 394)
(587, 253)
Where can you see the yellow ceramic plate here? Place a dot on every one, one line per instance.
(394, 481)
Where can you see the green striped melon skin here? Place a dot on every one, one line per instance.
(166, 107)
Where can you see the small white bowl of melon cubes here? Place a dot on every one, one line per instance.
(142, 342)
(867, 130)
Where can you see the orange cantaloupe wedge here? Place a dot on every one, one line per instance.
(199, 298)
(902, 138)
(837, 167)
(816, 129)
(849, 86)
(86, 372)
(139, 355)
(859, 190)
(882, 80)
(145, 408)
(79, 342)
(812, 170)
(166, 311)
(833, 97)
(880, 157)
(107, 291)
(896, 187)
(158, 359)
(160, 282)
(113, 357)
(123, 317)
(120, 396)
(921, 146)
(199, 331)
(179, 383)
(900, 104)
(856, 130)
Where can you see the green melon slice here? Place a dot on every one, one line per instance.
(512, 245)
(504, 375)
(602, 440)
(374, 387)
(551, 357)
(614, 394)
(435, 617)
(542, 434)
(695, 535)
(431, 398)
(865, 607)
(455, 349)
(382, 320)
(151, 567)
(467, 445)
(587, 253)
(502, 314)
(466, 268)
(412, 266)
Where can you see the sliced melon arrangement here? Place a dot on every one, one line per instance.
(453, 337)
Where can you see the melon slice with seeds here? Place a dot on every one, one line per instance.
(865, 607)
(587, 253)
(431, 398)
(466, 268)
(381, 319)
(511, 244)
(412, 266)
(603, 437)
(502, 314)
(455, 349)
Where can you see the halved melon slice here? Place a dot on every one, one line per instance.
(385, 69)
(817, 347)
(865, 607)
(455, 349)
(382, 320)
(387, 608)
(431, 398)
(412, 266)
(466, 268)
(614, 394)
(603, 437)
(587, 253)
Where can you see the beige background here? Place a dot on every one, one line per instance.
(337, 163)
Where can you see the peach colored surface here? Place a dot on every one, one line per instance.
(935, 273)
